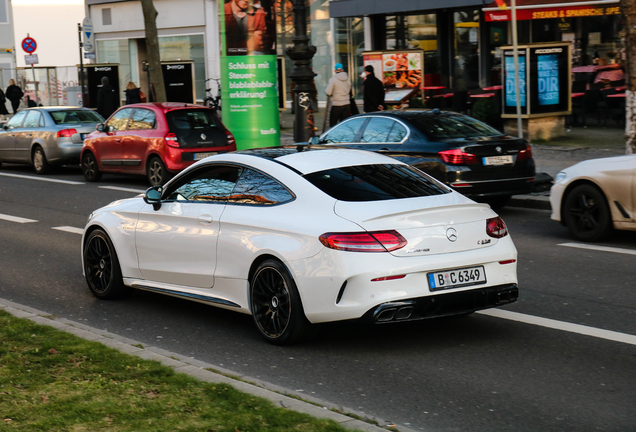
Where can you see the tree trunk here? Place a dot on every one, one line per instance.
(152, 49)
(628, 10)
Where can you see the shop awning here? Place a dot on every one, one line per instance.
(358, 8)
(543, 9)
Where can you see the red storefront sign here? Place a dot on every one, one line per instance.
(550, 12)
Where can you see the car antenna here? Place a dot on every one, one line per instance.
(300, 148)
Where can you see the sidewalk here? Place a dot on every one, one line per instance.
(578, 145)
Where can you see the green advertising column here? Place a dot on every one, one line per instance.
(249, 74)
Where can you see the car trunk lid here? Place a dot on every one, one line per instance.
(196, 128)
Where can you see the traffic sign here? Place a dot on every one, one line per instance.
(29, 45)
(31, 59)
(88, 35)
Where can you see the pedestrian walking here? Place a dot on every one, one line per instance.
(338, 90)
(373, 91)
(14, 94)
(134, 94)
(107, 102)
(3, 106)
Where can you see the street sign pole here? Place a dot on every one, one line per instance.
(81, 71)
(515, 51)
(29, 46)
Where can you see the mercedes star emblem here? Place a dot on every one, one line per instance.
(451, 234)
(203, 137)
(498, 149)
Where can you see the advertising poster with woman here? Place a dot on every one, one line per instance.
(248, 73)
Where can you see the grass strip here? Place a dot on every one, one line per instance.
(53, 380)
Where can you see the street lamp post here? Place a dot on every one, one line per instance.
(302, 75)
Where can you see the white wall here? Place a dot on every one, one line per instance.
(128, 16)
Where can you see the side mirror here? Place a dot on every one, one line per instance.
(100, 127)
(153, 196)
(314, 140)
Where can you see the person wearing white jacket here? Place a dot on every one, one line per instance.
(339, 90)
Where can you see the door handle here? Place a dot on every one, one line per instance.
(118, 140)
(204, 219)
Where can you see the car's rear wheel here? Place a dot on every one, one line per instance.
(157, 173)
(89, 168)
(40, 164)
(275, 304)
(586, 214)
(101, 266)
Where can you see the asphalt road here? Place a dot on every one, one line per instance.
(477, 373)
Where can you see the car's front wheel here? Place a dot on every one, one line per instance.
(40, 164)
(90, 168)
(275, 304)
(157, 173)
(586, 214)
(101, 267)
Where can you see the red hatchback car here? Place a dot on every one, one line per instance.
(154, 139)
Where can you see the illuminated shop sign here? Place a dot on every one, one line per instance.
(550, 13)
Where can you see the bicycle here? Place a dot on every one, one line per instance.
(212, 101)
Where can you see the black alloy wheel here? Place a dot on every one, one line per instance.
(101, 267)
(40, 164)
(586, 214)
(157, 173)
(89, 168)
(275, 304)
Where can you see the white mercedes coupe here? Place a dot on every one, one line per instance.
(301, 235)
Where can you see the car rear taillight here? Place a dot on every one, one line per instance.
(172, 140)
(230, 138)
(525, 154)
(458, 157)
(66, 133)
(375, 241)
(496, 227)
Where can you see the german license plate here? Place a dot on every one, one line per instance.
(199, 156)
(457, 278)
(498, 160)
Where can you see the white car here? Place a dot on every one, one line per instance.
(595, 196)
(303, 235)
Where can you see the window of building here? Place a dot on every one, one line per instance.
(416, 32)
(4, 12)
(466, 62)
(186, 48)
(107, 18)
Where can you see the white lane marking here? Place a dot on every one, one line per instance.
(52, 180)
(600, 248)
(70, 229)
(122, 189)
(561, 325)
(16, 219)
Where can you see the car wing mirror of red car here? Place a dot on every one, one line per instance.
(101, 127)
(153, 196)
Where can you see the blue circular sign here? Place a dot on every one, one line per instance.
(29, 45)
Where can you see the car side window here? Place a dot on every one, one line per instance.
(16, 120)
(33, 119)
(142, 119)
(377, 130)
(398, 132)
(254, 187)
(212, 183)
(345, 132)
(119, 120)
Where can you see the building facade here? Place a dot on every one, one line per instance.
(7, 43)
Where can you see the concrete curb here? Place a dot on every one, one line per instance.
(539, 202)
(201, 370)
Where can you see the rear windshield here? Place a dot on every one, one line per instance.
(375, 183)
(75, 116)
(438, 127)
(191, 120)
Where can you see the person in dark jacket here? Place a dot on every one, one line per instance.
(373, 91)
(133, 93)
(3, 106)
(107, 102)
(14, 94)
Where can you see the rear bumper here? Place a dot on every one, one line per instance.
(493, 188)
(440, 305)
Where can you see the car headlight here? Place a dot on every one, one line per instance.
(561, 176)
(90, 216)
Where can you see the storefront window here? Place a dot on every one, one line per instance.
(466, 64)
(186, 48)
(349, 48)
(118, 52)
(601, 40)
(416, 32)
(497, 37)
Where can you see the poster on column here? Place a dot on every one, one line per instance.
(249, 77)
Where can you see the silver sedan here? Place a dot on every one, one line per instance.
(46, 136)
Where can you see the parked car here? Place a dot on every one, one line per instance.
(460, 151)
(304, 235)
(595, 196)
(46, 136)
(154, 139)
